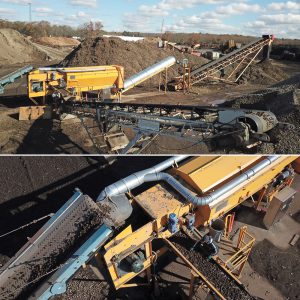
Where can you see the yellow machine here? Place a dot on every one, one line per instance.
(160, 204)
(72, 82)
(184, 210)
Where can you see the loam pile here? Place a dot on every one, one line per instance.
(283, 99)
(263, 73)
(133, 56)
(57, 42)
(15, 48)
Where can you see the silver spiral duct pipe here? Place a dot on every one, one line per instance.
(153, 174)
(205, 200)
(132, 181)
(149, 72)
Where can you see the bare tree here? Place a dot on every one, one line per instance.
(91, 29)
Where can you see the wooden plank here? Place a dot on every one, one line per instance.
(34, 113)
(294, 240)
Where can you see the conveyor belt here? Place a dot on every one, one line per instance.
(214, 67)
(224, 283)
(50, 246)
(10, 78)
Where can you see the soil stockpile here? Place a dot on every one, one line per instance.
(264, 73)
(283, 100)
(15, 48)
(280, 267)
(223, 282)
(133, 56)
(57, 42)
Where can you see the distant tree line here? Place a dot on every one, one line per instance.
(44, 28)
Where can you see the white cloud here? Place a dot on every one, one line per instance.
(152, 11)
(80, 15)
(283, 25)
(164, 6)
(201, 23)
(289, 5)
(238, 9)
(136, 22)
(6, 11)
(89, 3)
(281, 19)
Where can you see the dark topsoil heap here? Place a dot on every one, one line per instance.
(133, 56)
(283, 99)
(280, 267)
(263, 73)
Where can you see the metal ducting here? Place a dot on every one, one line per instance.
(152, 174)
(132, 181)
(149, 72)
(205, 200)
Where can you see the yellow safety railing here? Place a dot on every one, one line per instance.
(244, 246)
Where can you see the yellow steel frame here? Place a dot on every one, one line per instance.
(238, 260)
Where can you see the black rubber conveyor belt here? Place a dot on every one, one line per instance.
(225, 284)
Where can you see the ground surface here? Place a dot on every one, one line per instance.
(32, 187)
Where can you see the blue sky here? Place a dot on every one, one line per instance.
(252, 17)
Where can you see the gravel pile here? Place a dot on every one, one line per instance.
(223, 282)
(133, 56)
(283, 99)
(280, 267)
(263, 73)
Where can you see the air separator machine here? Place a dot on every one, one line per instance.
(129, 230)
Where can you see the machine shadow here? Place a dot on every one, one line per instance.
(48, 199)
(46, 137)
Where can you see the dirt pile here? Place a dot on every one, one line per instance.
(223, 282)
(17, 49)
(283, 100)
(57, 42)
(264, 73)
(134, 57)
(280, 267)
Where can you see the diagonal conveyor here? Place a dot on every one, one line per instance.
(49, 247)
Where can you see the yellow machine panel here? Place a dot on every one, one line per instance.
(74, 81)
(241, 193)
(205, 173)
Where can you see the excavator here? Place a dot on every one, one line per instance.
(183, 205)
